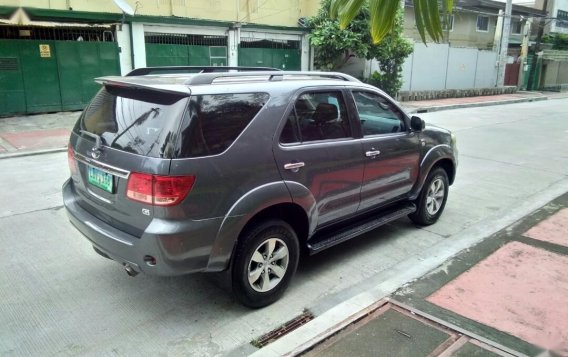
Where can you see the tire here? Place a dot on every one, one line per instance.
(431, 202)
(269, 276)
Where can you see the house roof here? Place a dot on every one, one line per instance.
(485, 5)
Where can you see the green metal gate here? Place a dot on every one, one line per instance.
(527, 70)
(52, 70)
(282, 54)
(164, 49)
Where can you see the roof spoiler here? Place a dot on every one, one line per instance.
(132, 83)
(195, 69)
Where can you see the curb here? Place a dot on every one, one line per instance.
(350, 310)
(31, 153)
(420, 110)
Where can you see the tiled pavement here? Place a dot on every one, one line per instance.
(37, 139)
(506, 296)
(30, 134)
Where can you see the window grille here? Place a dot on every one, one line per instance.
(249, 42)
(96, 34)
(184, 39)
(482, 23)
(562, 18)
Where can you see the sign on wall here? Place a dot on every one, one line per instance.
(44, 51)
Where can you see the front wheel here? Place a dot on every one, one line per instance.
(265, 261)
(432, 200)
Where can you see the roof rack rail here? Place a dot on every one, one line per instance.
(209, 78)
(194, 69)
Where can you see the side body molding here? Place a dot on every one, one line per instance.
(247, 207)
(435, 154)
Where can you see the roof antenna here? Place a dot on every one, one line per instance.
(126, 10)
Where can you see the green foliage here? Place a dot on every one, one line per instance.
(559, 41)
(334, 46)
(382, 16)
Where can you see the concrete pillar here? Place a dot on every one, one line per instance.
(504, 43)
(498, 32)
(306, 60)
(233, 47)
(138, 45)
(524, 51)
(125, 46)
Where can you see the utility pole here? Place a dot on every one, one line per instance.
(524, 53)
(504, 43)
(537, 46)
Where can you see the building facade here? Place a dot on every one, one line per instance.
(557, 14)
(477, 24)
(51, 50)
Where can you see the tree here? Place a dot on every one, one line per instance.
(334, 46)
(382, 16)
(559, 41)
(391, 54)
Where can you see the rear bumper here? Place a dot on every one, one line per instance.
(179, 247)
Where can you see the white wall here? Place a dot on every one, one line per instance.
(125, 55)
(138, 45)
(439, 67)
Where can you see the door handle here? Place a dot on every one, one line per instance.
(294, 166)
(372, 153)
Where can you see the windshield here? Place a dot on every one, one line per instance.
(138, 121)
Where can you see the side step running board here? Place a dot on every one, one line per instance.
(358, 228)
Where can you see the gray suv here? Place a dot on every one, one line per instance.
(240, 170)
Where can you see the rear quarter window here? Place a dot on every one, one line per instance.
(214, 121)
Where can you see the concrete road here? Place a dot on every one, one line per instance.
(58, 297)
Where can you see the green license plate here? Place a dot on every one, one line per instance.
(100, 179)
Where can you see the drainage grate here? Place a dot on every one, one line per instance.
(286, 328)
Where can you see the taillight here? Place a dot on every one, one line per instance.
(139, 188)
(71, 159)
(158, 190)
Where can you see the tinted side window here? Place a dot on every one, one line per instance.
(215, 121)
(378, 115)
(317, 116)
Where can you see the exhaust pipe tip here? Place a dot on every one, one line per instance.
(130, 271)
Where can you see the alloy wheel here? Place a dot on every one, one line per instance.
(435, 196)
(268, 265)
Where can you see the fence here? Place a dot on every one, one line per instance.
(440, 67)
(554, 70)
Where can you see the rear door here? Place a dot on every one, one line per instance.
(137, 130)
(318, 150)
(392, 151)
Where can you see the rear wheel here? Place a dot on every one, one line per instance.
(432, 200)
(265, 261)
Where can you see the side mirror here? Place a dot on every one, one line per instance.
(417, 124)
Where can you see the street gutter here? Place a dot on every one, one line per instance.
(339, 316)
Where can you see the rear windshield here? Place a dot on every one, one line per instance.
(137, 121)
(213, 122)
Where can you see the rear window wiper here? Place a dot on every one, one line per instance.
(137, 121)
(98, 139)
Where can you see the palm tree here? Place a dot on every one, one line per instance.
(383, 14)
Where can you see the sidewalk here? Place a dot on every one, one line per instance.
(43, 133)
(506, 296)
(35, 134)
(424, 106)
